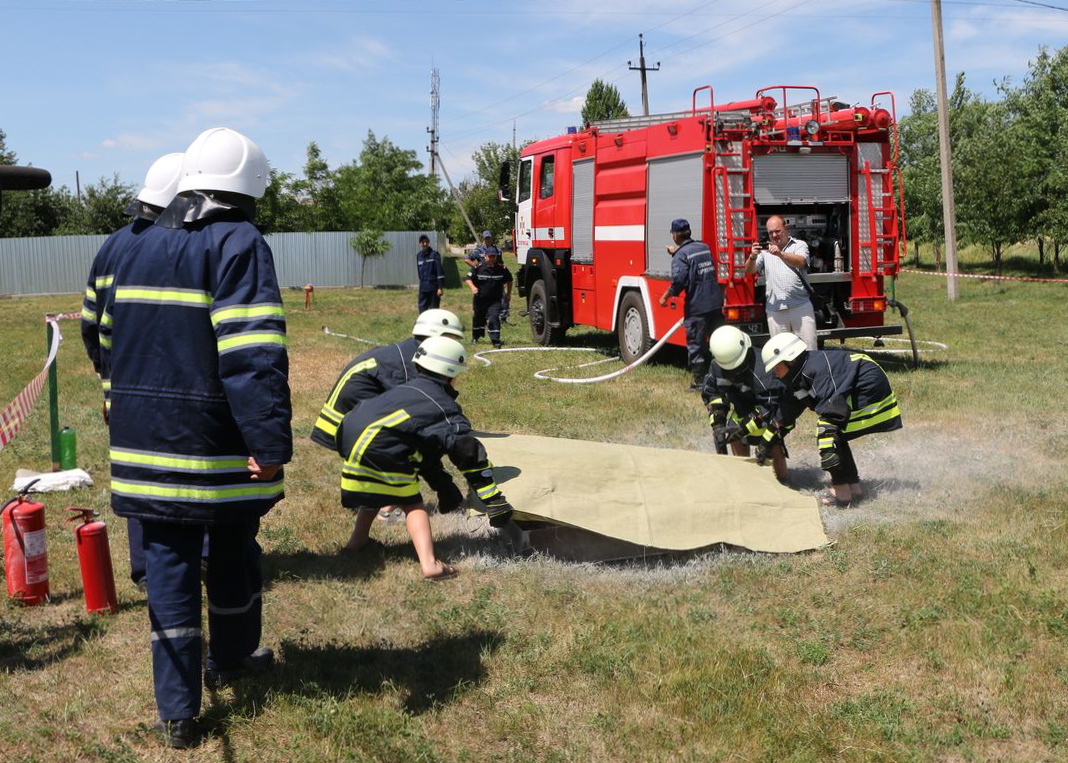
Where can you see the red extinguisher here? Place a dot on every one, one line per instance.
(25, 549)
(94, 556)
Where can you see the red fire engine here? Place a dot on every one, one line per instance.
(593, 210)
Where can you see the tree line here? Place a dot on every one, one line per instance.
(1010, 177)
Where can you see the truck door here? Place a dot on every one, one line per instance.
(524, 229)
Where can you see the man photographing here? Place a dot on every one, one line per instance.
(788, 305)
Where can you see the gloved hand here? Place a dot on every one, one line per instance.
(449, 498)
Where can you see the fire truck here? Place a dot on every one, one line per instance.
(594, 207)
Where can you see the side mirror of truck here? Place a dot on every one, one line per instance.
(503, 191)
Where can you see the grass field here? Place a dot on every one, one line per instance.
(935, 628)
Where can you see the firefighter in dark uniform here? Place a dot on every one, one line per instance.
(851, 395)
(161, 182)
(390, 441)
(431, 275)
(745, 403)
(693, 271)
(368, 376)
(491, 287)
(478, 254)
(200, 419)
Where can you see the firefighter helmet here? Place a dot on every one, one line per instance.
(441, 355)
(781, 348)
(437, 322)
(221, 159)
(161, 180)
(730, 346)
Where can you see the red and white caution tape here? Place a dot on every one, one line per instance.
(986, 277)
(11, 418)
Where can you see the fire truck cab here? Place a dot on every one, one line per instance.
(593, 210)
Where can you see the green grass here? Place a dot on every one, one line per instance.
(935, 628)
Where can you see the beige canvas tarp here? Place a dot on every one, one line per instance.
(665, 499)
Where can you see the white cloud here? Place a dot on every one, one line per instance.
(131, 142)
(360, 53)
(571, 105)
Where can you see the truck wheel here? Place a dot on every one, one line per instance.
(538, 306)
(633, 328)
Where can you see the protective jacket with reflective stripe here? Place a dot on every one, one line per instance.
(199, 374)
(693, 271)
(390, 440)
(431, 273)
(847, 389)
(748, 390)
(367, 376)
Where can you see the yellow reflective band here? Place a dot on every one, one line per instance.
(245, 312)
(104, 281)
(90, 293)
(361, 486)
(866, 423)
(190, 297)
(185, 463)
(105, 319)
(106, 384)
(327, 426)
(197, 492)
(368, 435)
(105, 341)
(238, 341)
(88, 315)
(487, 491)
(359, 368)
(394, 478)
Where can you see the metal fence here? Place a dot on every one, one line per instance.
(60, 264)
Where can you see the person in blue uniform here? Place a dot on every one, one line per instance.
(390, 441)
(491, 289)
(431, 275)
(746, 403)
(693, 273)
(478, 254)
(850, 394)
(161, 183)
(200, 419)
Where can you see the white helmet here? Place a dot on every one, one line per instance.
(441, 355)
(729, 345)
(781, 348)
(161, 180)
(438, 322)
(221, 159)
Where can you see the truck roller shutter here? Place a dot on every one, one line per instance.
(674, 191)
(582, 212)
(800, 178)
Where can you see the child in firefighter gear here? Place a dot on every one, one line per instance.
(744, 401)
(371, 374)
(200, 418)
(431, 275)
(377, 370)
(390, 441)
(694, 272)
(491, 289)
(161, 183)
(851, 395)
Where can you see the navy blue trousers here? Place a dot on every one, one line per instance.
(137, 551)
(234, 582)
(698, 330)
(487, 317)
(429, 300)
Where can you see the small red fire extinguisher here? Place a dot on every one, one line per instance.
(25, 549)
(94, 557)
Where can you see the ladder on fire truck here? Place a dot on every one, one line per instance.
(736, 224)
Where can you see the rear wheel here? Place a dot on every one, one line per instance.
(538, 306)
(633, 328)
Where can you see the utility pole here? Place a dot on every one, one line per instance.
(641, 67)
(949, 212)
(435, 103)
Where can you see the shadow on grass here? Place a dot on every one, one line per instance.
(308, 565)
(33, 647)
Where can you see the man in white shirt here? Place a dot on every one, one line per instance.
(788, 305)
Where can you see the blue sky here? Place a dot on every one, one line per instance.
(106, 86)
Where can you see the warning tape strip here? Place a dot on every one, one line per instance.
(989, 278)
(15, 413)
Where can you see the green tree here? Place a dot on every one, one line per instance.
(369, 244)
(603, 101)
(319, 208)
(921, 173)
(103, 208)
(278, 211)
(6, 157)
(479, 193)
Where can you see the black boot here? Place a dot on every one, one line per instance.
(699, 375)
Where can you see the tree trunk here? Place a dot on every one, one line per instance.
(997, 257)
(916, 249)
(1041, 250)
(938, 255)
(1057, 255)
(363, 267)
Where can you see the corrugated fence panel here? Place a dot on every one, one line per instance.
(60, 264)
